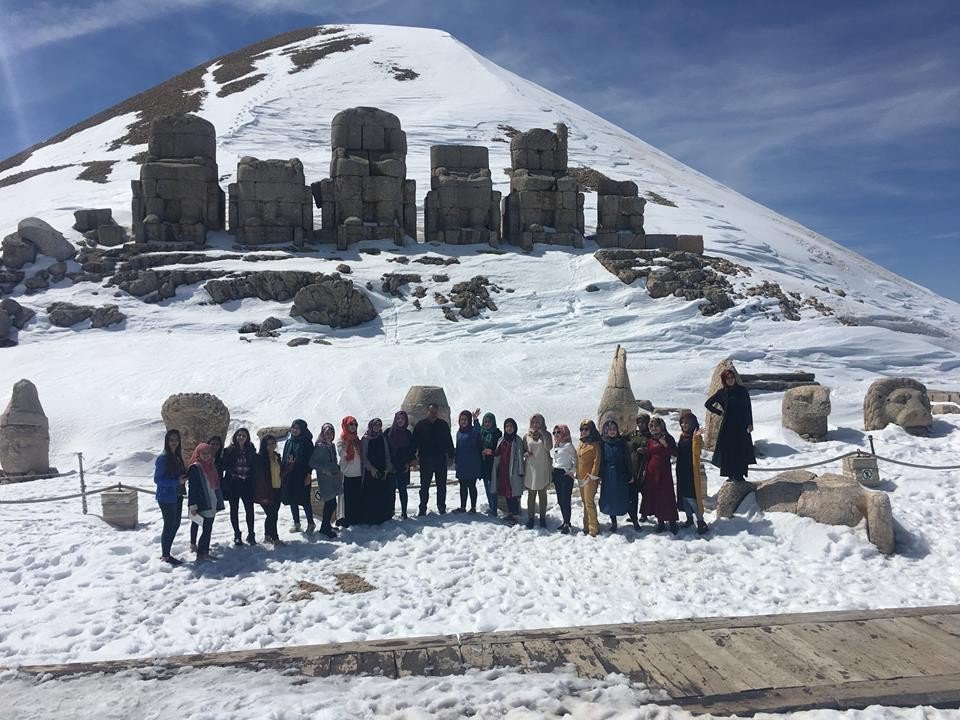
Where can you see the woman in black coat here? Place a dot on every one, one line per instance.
(734, 446)
(403, 454)
(296, 474)
(239, 472)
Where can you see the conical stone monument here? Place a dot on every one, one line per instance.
(618, 401)
(24, 433)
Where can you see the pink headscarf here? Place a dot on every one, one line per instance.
(209, 468)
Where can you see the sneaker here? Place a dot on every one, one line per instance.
(311, 528)
(277, 542)
(403, 514)
(492, 512)
(702, 527)
(636, 525)
(511, 520)
(328, 531)
(674, 527)
(170, 560)
(251, 539)
(442, 511)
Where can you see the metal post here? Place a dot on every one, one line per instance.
(872, 450)
(83, 484)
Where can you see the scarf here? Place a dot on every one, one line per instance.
(372, 433)
(509, 437)
(350, 438)
(564, 435)
(469, 416)
(209, 468)
(396, 435)
(321, 440)
(487, 435)
(593, 435)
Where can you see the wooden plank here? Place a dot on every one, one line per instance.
(544, 655)
(378, 663)
(615, 655)
(678, 670)
(924, 652)
(948, 624)
(444, 661)
(850, 650)
(582, 657)
(345, 664)
(412, 662)
(783, 652)
(510, 654)
(947, 645)
(713, 661)
(749, 665)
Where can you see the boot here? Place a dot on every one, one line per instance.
(613, 524)
(702, 527)
(674, 527)
(311, 527)
(237, 540)
(543, 521)
(636, 525)
(688, 522)
(328, 531)
(251, 539)
(660, 526)
(565, 528)
(530, 522)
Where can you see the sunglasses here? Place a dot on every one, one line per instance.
(557, 432)
(351, 424)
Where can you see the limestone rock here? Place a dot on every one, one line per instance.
(945, 408)
(88, 219)
(782, 492)
(24, 433)
(198, 417)
(832, 500)
(6, 325)
(280, 285)
(898, 401)
(19, 315)
(711, 423)
(805, 410)
(17, 252)
(271, 323)
(730, 495)
(106, 316)
(298, 342)
(278, 431)
(333, 301)
(64, 314)
(618, 402)
(879, 521)
(416, 401)
(48, 241)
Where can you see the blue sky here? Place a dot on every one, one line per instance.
(843, 116)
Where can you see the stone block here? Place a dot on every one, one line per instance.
(346, 135)
(382, 189)
(397, 141)
(623, 188)
(91, 219)
(690, 243)
(661, 242)
(374, 137)
(391, 167)
(631, 241)
(410, 191)
(349, 165)
(862, 469)
(632, 205)
(522, 180)
(446, 156)
(111, 235)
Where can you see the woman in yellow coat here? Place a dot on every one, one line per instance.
(690, 480)
(588, 474)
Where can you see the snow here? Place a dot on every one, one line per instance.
(73, 589)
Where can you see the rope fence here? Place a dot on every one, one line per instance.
(119, 485)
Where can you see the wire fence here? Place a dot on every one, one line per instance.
(117, 484)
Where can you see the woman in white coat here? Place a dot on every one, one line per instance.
(538, 471)
(564, 458)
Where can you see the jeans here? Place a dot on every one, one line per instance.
(402, 479)
(235, 514)
(203, 544)
(307, 511)
(329, 510)
(431, 468)
(272, 512)
(468, 488)
(564, 486)
(690, 508)
(172, 513)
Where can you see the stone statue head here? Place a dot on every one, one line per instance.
(900, 401)
(805, 410)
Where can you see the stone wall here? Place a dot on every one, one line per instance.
(178, 196)
(544, 205)
(270, 203)
(367, 196)
(461, 206)
(619, 215)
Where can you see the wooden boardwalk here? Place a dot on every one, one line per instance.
(775, 663)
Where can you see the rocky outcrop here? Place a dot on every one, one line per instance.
(155, 285)
(64, 314)
(106, 316)
(24, 433)
(618, 401)
(48, 241)
(472, 296)
(278, 285)
(17, 252)
(198, 417)
(805, 410)
(13, 317)
(333, 301)
(897, 401)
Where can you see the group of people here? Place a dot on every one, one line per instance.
(363, 475)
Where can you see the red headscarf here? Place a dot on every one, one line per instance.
(209, 468)
(564, 433)
(349, 437)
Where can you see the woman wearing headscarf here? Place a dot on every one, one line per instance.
(467, 457)
(377, 484)
(170, 475)
(690, 481)
(733, 452)
(614, 474)
(267, 487)
(204, 496)
(538, 473)
(350, 457)
(506, 480)
(588, 474)
(659, 499)
(239, 465)
(216, 442)
(564, 459)
(295, 474)
(329, 478)
(403, 454)
(490, 436)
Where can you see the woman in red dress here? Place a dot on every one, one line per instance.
(659, 498)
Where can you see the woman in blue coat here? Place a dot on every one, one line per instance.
(469, 459)
(170, 475)
(614, 474)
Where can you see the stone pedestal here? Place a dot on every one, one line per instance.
(367, 196)
(862, 469)
(178, 196)
(620, 215)
(120, 508)
(461, 207)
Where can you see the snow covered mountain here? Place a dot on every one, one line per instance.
(546, 348)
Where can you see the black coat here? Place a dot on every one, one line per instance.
(234, 486)
(433, 440)
(196, 494)
(734, 446)
(295, 472)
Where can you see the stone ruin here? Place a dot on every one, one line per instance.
(461, 206)
(620, 215)
(618, 402)
(416, 401)
(805, 410)
(99, 227)
(367, 196)
(544, 205)
(178, 196)
(270, 203)
(830, 499)
(897, 401)
(198, 417)
(25, 434)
